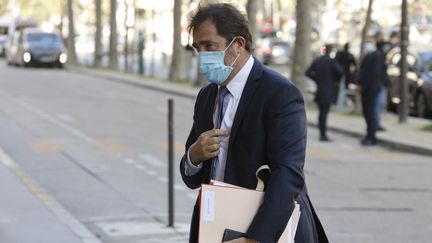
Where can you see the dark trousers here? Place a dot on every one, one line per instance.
(369, 103)
(324, 109)
(193, 232)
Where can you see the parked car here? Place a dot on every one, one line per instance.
(418, 78)
(423, 98)
(274, 51)
(32, 46)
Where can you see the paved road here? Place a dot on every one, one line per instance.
(99, 148)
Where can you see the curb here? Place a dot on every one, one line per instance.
(384, 142)
(181, 90)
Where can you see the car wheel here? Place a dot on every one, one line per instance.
(421, 105)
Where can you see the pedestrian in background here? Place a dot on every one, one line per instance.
(248, 116)
(382, 94)
(372, 76)
(326, 73)
(348, 62)
(385, 47)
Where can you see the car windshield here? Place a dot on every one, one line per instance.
(43, 37)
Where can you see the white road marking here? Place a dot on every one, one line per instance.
(179, 187)
(152, 160)
(140, 167)
(129, 161)
(162, 179)
(65, 117)
(151, 172)
(55, 121)
(130, 228)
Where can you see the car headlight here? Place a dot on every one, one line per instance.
(63, 58)
(395, 100)
(27, 57)
(420, 82)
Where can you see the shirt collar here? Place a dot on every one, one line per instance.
(236, 85)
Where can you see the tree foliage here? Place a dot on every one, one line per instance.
(4, 7)
(41, 10)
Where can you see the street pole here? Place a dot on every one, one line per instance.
(141, 45)
(153, 54)
(171, 163)
(403, 105)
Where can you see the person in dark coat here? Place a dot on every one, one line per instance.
(372, 77)
(326, 73)
(348, 62)
(263, 121)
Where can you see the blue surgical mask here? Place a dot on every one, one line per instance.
(212, 65)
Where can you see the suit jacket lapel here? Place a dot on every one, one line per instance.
(209, 108)
(248, 91)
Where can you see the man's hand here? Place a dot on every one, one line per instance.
(207, 146)
(242, 240)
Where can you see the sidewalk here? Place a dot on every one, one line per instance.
(28, 214)
(408, 137)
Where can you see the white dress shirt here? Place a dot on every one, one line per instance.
(232, 100)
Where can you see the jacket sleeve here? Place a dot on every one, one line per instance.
(193, 181)
(286, 145)
(311, 71)
(338, 71)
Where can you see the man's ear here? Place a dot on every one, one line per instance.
(241, 43)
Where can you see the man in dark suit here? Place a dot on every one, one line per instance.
(263, 121)
(372, 77)
(326, 73)
(348, 63)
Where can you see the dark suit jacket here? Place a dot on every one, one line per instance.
(269, 127)
(326, 73)
(373, 73)
(347, 62)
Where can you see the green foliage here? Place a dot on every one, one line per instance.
(4, 7)
(41, 10)
(427, 128)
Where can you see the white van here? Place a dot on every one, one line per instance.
(8, 26)
(5, 24)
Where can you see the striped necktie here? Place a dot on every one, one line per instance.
(223, 91)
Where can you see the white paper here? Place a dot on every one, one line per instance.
(209, 206)
(289, 231)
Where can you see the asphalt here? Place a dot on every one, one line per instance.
(410, 136)
(37, 212)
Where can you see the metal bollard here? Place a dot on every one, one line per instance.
(170, 163)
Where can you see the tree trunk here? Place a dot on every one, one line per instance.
(113, 55)
(301, 56)
(280, 16)
(251, 9)
(177, 71)
(71, 34)
(365, 29)
(62, 16)
(403, 108)
(98, 34)
(358, 104)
